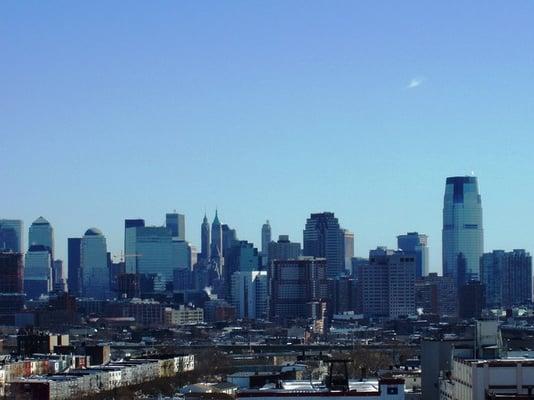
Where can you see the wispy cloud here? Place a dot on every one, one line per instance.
(415, 82)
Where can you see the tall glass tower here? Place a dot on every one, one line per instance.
(462, 235)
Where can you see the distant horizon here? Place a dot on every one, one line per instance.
(267, 111)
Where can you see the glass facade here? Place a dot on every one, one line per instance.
(462, 235)
(94, 265)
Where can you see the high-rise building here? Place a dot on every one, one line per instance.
(265, 238)
(11, 231)
(323, 238)
(241, 257)
(11, 286)
(283, 249)
(388, 283)
(416, 243)
(249, 294)
(507, 277)
(12, 272)
(41, 233)
(57, 275)
(462, 235)
(295, 284)
(131, 258)
(74, 260)
(347, 240)
(216, 238)
(205, 249)
(229, 238)
(436, 295)
(176, 224)
(94, 265)
(471, 299)
(150, 250)
(37, 271)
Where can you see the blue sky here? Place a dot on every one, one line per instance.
(113, 110)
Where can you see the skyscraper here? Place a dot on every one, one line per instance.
(416, 243)
(216, 238)
(347, 240)
(11, 235)
(37, 271)
(11, 286)
(323, 238)
(94, 264)
(507, 277)
(42, 233)
(265, 238)
(176, 224)
(130, 236)
(74, 259)
(205, 240)
(462, 235)
(283, 249)
(249, 294)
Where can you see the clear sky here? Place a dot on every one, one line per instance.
(122, 109)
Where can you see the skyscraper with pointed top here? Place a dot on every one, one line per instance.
(216, 238)
(205, 240)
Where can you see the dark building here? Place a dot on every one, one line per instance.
(436, 295)
(229, 238)
(116, 269)
(128, 286)
(134, 223)
(35, 342)
(296, 283)
(99, 354)
(205, 249)
(283, 249)
(243, 257)
(11, 272)
(324, 238)
(74, 283)
(416, 243)
(176, 224)
(471, 299)
(507, 277)
(345, 295)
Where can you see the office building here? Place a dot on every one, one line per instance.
(462, 235)
(74, 260)
(41, 233)
(323, 238)
(388, 284)
(229, 238)
(265, 238)
(295, 284)
(249, 294)
(94, 265)
(151, 250)
(242, 257)
(216, 238)
(131, 258)
(11, 286)
(283, 249)
(11, 239)
(471, 299)
(205, 250)
(176, 224)
(347, 240)
(417, 243)
(37, 271)
(507, 278)
(345, 295)
(58, 281)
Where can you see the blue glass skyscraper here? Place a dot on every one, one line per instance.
(462, 235)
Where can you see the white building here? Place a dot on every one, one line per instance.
(249, 293)
(481, 379)
(94, 264)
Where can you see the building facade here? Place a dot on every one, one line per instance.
(176, 224)
(11, 235)
(94, 265)
(417, 243)
(37, 271)
(462, 235)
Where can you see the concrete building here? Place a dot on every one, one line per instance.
(462, 235)
(249, 294)
(94, 265)
(324, 238)
(388, 284)
(11, 235)
(507, 277)
(416, 243)
(183, 316)
(296, 283)
(37, 271)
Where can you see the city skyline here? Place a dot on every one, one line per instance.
(116, 244)
(267, 112)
